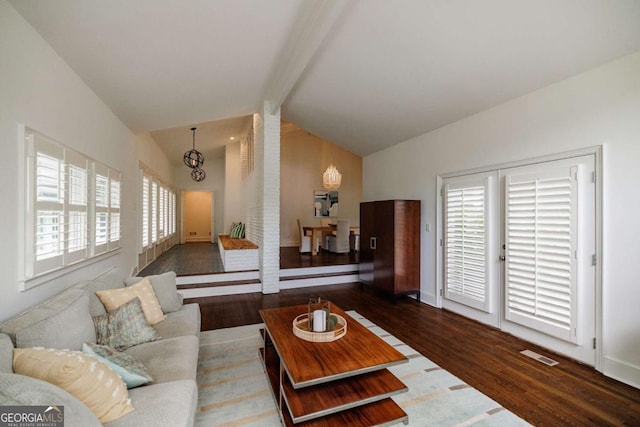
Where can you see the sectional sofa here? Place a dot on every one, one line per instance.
(66, 321)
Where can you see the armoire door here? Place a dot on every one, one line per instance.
(384, 253)
(366, 242)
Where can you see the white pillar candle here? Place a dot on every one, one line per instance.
(319, 321)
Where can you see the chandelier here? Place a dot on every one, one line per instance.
(331, 178)
(193, 158)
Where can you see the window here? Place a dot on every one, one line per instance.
(157, 213)
(146, 185)
(154, 212)
(64, 186)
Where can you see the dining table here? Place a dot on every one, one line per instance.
(319, 230)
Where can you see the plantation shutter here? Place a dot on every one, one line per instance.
(145, 223)
(76, 239)
(466, 242)
(541, 236)
(101, 194)
(154, 212)
(50, 181)
(114, 209)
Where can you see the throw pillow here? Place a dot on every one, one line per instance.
(165, 288)
(114, 298)
(124, 327)
(132, 372)
(85, 377)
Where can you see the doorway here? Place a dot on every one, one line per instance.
(519, 248)
(197, 219)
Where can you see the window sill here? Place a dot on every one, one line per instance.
(32, 282)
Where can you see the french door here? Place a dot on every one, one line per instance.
(519, 251)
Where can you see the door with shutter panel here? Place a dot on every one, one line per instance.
(549, 237)
(470, 243)
(517, 252)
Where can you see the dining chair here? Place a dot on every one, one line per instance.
(324, 240)
(339, 243)
(305, 241)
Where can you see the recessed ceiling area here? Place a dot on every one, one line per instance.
(210, 137)
(377, 73)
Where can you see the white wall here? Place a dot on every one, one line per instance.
(232, 187)
(154, 157)
(601, 106)
(38, 89)
(303, 159)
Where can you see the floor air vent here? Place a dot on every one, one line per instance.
(540, 358)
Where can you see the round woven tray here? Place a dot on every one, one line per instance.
(301, 329)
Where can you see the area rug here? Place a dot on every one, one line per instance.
(233, 388)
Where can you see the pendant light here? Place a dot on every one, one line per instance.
(193, 158)
(331, 178)
(198, 174)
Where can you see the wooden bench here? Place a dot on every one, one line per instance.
(237, 254)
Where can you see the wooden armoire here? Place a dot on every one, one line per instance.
(390, 246)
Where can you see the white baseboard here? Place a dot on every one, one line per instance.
(625, 372)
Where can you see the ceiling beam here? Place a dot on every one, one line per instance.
(313, 23)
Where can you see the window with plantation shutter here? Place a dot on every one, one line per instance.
(77, 224)
(541, 236)
(50, 182)
(466, 242)
(114, 209)
(101, 195)
(146, 189)
(157, 213)
(154, 212)
(67, 207)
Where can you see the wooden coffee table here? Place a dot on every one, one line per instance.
(344, 382)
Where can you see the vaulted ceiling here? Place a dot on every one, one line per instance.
(364, 74)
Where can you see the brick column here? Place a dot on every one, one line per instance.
(263, 212)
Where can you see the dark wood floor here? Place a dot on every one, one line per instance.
(204, 258)
(485, 358)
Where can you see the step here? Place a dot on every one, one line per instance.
(233, 283)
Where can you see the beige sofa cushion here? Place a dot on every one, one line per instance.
(164, 285)
(53, 332)
(83, 376)
(185, 321)
(114, 298)
(62, 322)
(169, 359)
(168, 404)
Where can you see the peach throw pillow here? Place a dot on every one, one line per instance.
(83, 376)
(114, 298)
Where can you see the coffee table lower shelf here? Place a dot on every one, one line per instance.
(359, 401)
